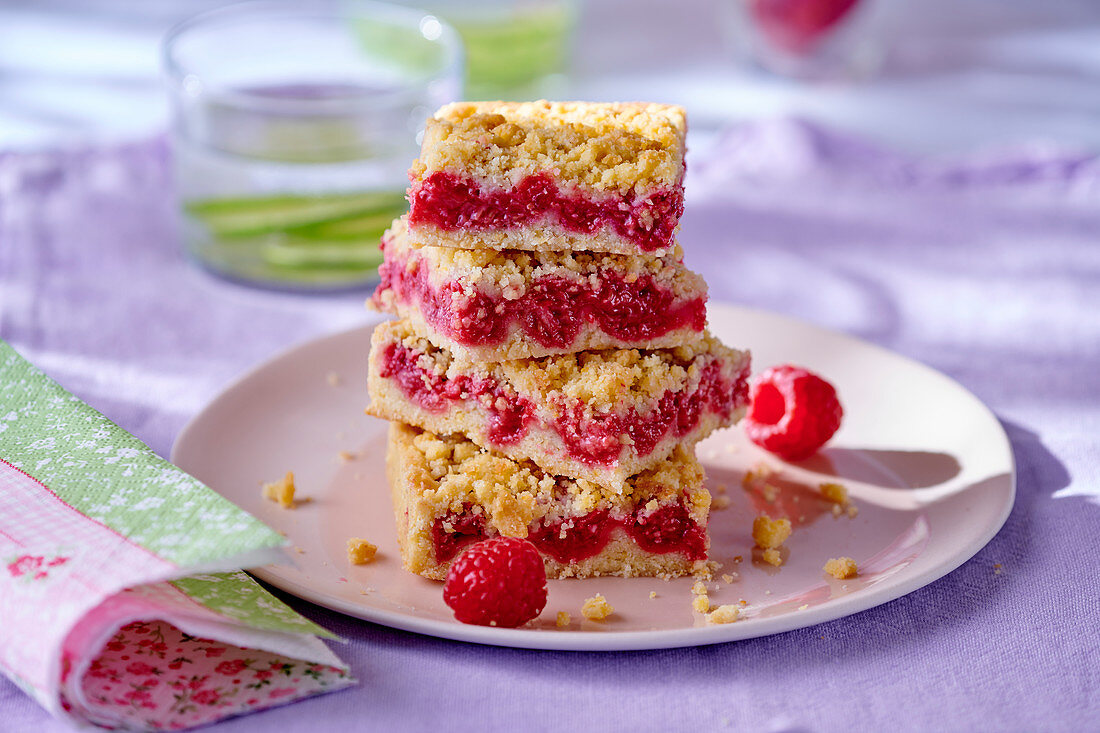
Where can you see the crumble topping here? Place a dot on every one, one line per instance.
(834, 492)
(451, 472)
(701, 603)
(725, 614)
(841, 568)
(509, 272)
(604, 381)
(610, 147)
(772, 556)
(727, 578)
(597, 608)
(281, 491)
(563, 619)
(360, 552)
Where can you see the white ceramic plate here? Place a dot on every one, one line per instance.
(927, 464)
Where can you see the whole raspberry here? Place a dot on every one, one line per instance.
(793, 413)
(497, 582)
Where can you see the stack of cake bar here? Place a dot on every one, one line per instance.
(550, 371)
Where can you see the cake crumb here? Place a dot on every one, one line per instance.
(725, 614)
(837, 510)
(720, 489)
(282, 491)
(833, 492)
(360, 552)
(998, 569)
(841, 568)
(853, 510)
(347, 456)
(564, 619)
(770, 533)
(759, 472)
(720, 502)
(701, 603)
(772, 557)
(804, 606)
(727, 578)
(738, 558)
(299, 550)
(652, 594)
(700, 588)
(743, 602)
(597, 608)
(770, 492)
(333, 379)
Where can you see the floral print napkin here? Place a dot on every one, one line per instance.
(120, 599)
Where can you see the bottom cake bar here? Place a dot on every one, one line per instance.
(448, 492)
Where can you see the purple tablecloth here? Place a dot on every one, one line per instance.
(986, 268)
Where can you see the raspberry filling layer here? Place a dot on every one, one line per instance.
(551, 312)
(450, 203)
(508, 414)
(593, 440)
(667, 529)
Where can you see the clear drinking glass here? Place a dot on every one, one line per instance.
(294, 125)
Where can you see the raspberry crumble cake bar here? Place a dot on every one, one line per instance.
(501, 305)
(597, 415)
(550, 176)
(448, 492)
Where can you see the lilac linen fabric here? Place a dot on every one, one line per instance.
(985, 267)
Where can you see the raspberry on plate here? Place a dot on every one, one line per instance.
(793, 412)
(497, 582)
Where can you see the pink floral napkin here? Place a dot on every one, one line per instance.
(120, 599)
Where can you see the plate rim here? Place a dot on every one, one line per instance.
(611, 640)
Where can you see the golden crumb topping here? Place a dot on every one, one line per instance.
(602, 381)
(609, 147)
(597, 608)
(725, 614)
(508, 273)
(564, 619)
(452, 472)
(841, 567)
(281, 491)
(772, 556)
(360, 552)
(701, 603)
(770, 533)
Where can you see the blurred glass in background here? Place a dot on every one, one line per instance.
(515, 49)
(293, 126)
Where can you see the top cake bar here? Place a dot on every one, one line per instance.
(551, 176)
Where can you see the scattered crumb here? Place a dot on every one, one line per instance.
(360, 552)
(834, 492)
(998, 569)
(767, 592)
(333, 379)
(772, 557)
(837, 510)
(804, 606)
(299, 550)
(347, 456)
(720, 502)
(563, 619)
(720, 489)
(759, 472)
(853, 510)
(727, 578)
(770, 492)
(738, 558)
(701, 603)
(841, 567)
(597, 608)
(282, 532)
(362, 593)
(770, 533)
(652, 594)
(725, 614)
(282, 491)
(700, 588)
(743, 602)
